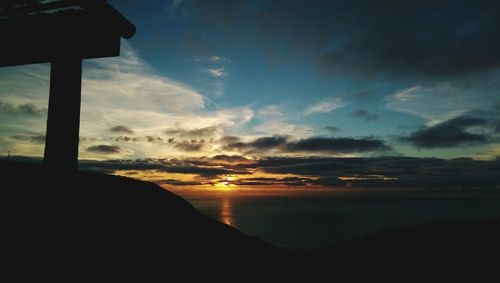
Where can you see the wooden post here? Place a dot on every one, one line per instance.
(63, 122)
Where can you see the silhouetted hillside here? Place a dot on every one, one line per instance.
(434, 252)
(85, 224)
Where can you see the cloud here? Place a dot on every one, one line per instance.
(223, 159)
(362, 114)
(190, 146)
(283, 127)
(154, 139)
(121, 129)
(328, 172)
(265, 181)
(32, 138)
(221, 15)
(216, 72)
(22, 110)
(260, 144)
(126, 139)
(218, 59)
(179, 183)
(129, 83)
(337, 145)
(198, 170)
(194, 133)
(325, 106)
(229, 139)
(104, 148)
(120, 164)
(122, 91)
(450, 133)
(363, 37)
(313, 144)
(387, 40)
(159, 165)
(270, 110)
(332, 129)
(439, 101)
(268, 142)
(388, 172)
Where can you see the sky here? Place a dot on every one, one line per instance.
(230, 94)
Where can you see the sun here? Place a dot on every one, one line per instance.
(226, 184)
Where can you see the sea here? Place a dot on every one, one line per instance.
(316, 219)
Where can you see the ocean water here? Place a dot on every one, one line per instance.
(306, 221)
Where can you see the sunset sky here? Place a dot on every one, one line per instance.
(284, 94)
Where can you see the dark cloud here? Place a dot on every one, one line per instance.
(190, 146)
(149, 139)
(337, 145)
(496, 128)
(260, 144)
(313, 166)
(362, 114)
(389, 172)
(32, 138)
(229, 159)
(450, 133)
(223, 15)
(122, 164)
(126, 139)
(194, 133)
(229, 139)
(328, 172)
(332, 129)
(288, 181)
(121, 130)
(154, 139)
(161, 165)
(104, 148)
(198, 170)
(179, 183)
(362, 36)
(268, 142)
(329, 182)
(313, 144)
(22, 110)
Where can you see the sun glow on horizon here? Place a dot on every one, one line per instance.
(226, 184)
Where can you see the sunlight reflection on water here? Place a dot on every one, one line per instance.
(226, 214)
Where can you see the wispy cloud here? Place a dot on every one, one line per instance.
(270, 110)
(194, 133)
(444, 100)
(325, 106)
(116, 92)
(24, 110)
(217, 59)
(216, 72)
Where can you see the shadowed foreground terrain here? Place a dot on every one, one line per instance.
(89, 224)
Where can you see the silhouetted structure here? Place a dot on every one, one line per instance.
(62, 32)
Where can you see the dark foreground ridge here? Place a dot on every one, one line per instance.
(83, 224)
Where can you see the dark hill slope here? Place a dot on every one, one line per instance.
(86, 222)
(433, 252)
(83, 224)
